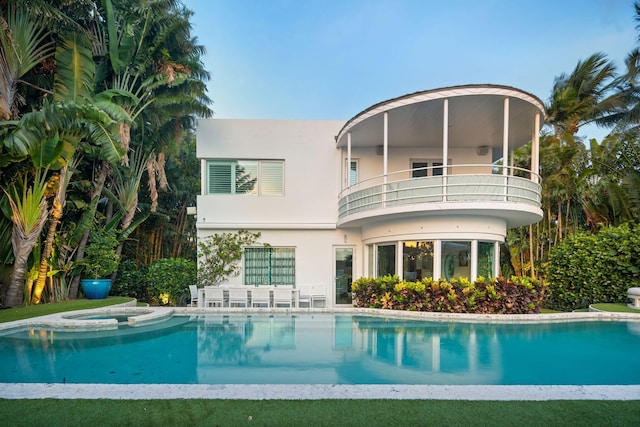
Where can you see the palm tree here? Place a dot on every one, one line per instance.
(583, 96)
(24, 43)
(29, 213)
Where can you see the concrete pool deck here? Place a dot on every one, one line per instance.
(75, 321)
(316, 392)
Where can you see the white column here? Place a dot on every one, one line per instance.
(496, 259)
(385, 144)
(474, 260)
(348, 180)
(505, 138)
(399, 260)
(445, 150)
(535, 149)
(437, 259)
(445, 137)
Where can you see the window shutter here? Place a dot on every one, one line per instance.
(219, 178)
(272, 178)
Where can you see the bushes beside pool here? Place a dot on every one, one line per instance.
(516, 295)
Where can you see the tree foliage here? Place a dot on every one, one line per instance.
(86, 84)
(594, 268)
(219, 256)
(169, 279)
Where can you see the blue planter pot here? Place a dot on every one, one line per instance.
(96, 288)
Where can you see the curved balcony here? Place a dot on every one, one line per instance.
(463, 189)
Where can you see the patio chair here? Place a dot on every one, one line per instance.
(312, 294)
(193, 289)
(239, 297)
(213, 296)
(260, 296)
(283, 297)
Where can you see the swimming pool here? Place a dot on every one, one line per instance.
(326, 348)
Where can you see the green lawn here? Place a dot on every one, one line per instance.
(615, 307)
(197, 412)
(19, 313)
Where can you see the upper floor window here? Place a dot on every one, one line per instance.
(260, 177)
(420, 168)
(352, 171)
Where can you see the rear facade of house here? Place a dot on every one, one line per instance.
(419, 186)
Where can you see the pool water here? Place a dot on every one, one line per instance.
(327, 349)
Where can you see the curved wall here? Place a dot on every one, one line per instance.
(457, 227)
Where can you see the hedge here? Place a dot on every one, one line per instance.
(594, 268)
(516, 295)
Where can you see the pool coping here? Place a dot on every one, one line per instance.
(318, 392)
(313, 391)
(75, 321)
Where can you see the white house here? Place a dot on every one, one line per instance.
(416, 186)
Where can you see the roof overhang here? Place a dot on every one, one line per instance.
(475, 118)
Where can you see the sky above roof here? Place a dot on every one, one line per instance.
(331, 59)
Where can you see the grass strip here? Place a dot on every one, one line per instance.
(615, 307)
(19, 313)
(370, 413)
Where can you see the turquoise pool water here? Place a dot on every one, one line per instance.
(327, 349)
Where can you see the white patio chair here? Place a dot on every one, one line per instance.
(193, 290)
(213, 296)
(317, 293)
(260, 295)
(283, 297)
(238, 296)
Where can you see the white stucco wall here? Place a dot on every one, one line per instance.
(305, 217)
(311, 172)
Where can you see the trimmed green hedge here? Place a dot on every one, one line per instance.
(594, 268)
(517, 295)
(169, 280)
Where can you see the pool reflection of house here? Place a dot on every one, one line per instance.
(420, 186)
(288, 349)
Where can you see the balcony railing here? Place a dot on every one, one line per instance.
(461, 183)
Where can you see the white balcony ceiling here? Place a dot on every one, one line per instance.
(475, 119)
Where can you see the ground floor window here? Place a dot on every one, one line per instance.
(486, 257)
(455, 259)
(269, 266)
(421, 259)
(417, 260)
(386, 260)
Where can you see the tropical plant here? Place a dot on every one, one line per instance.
(24, 43)
(29, 213)
(101, 258)
(114, 60)
(169, 280)
(131, 281)
(486, 296)
(219, 256)
(594, 268)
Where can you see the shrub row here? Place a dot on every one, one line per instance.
(165, 282)
(517, 295)
(594, 268)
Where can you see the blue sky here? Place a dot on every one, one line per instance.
(331, 59)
